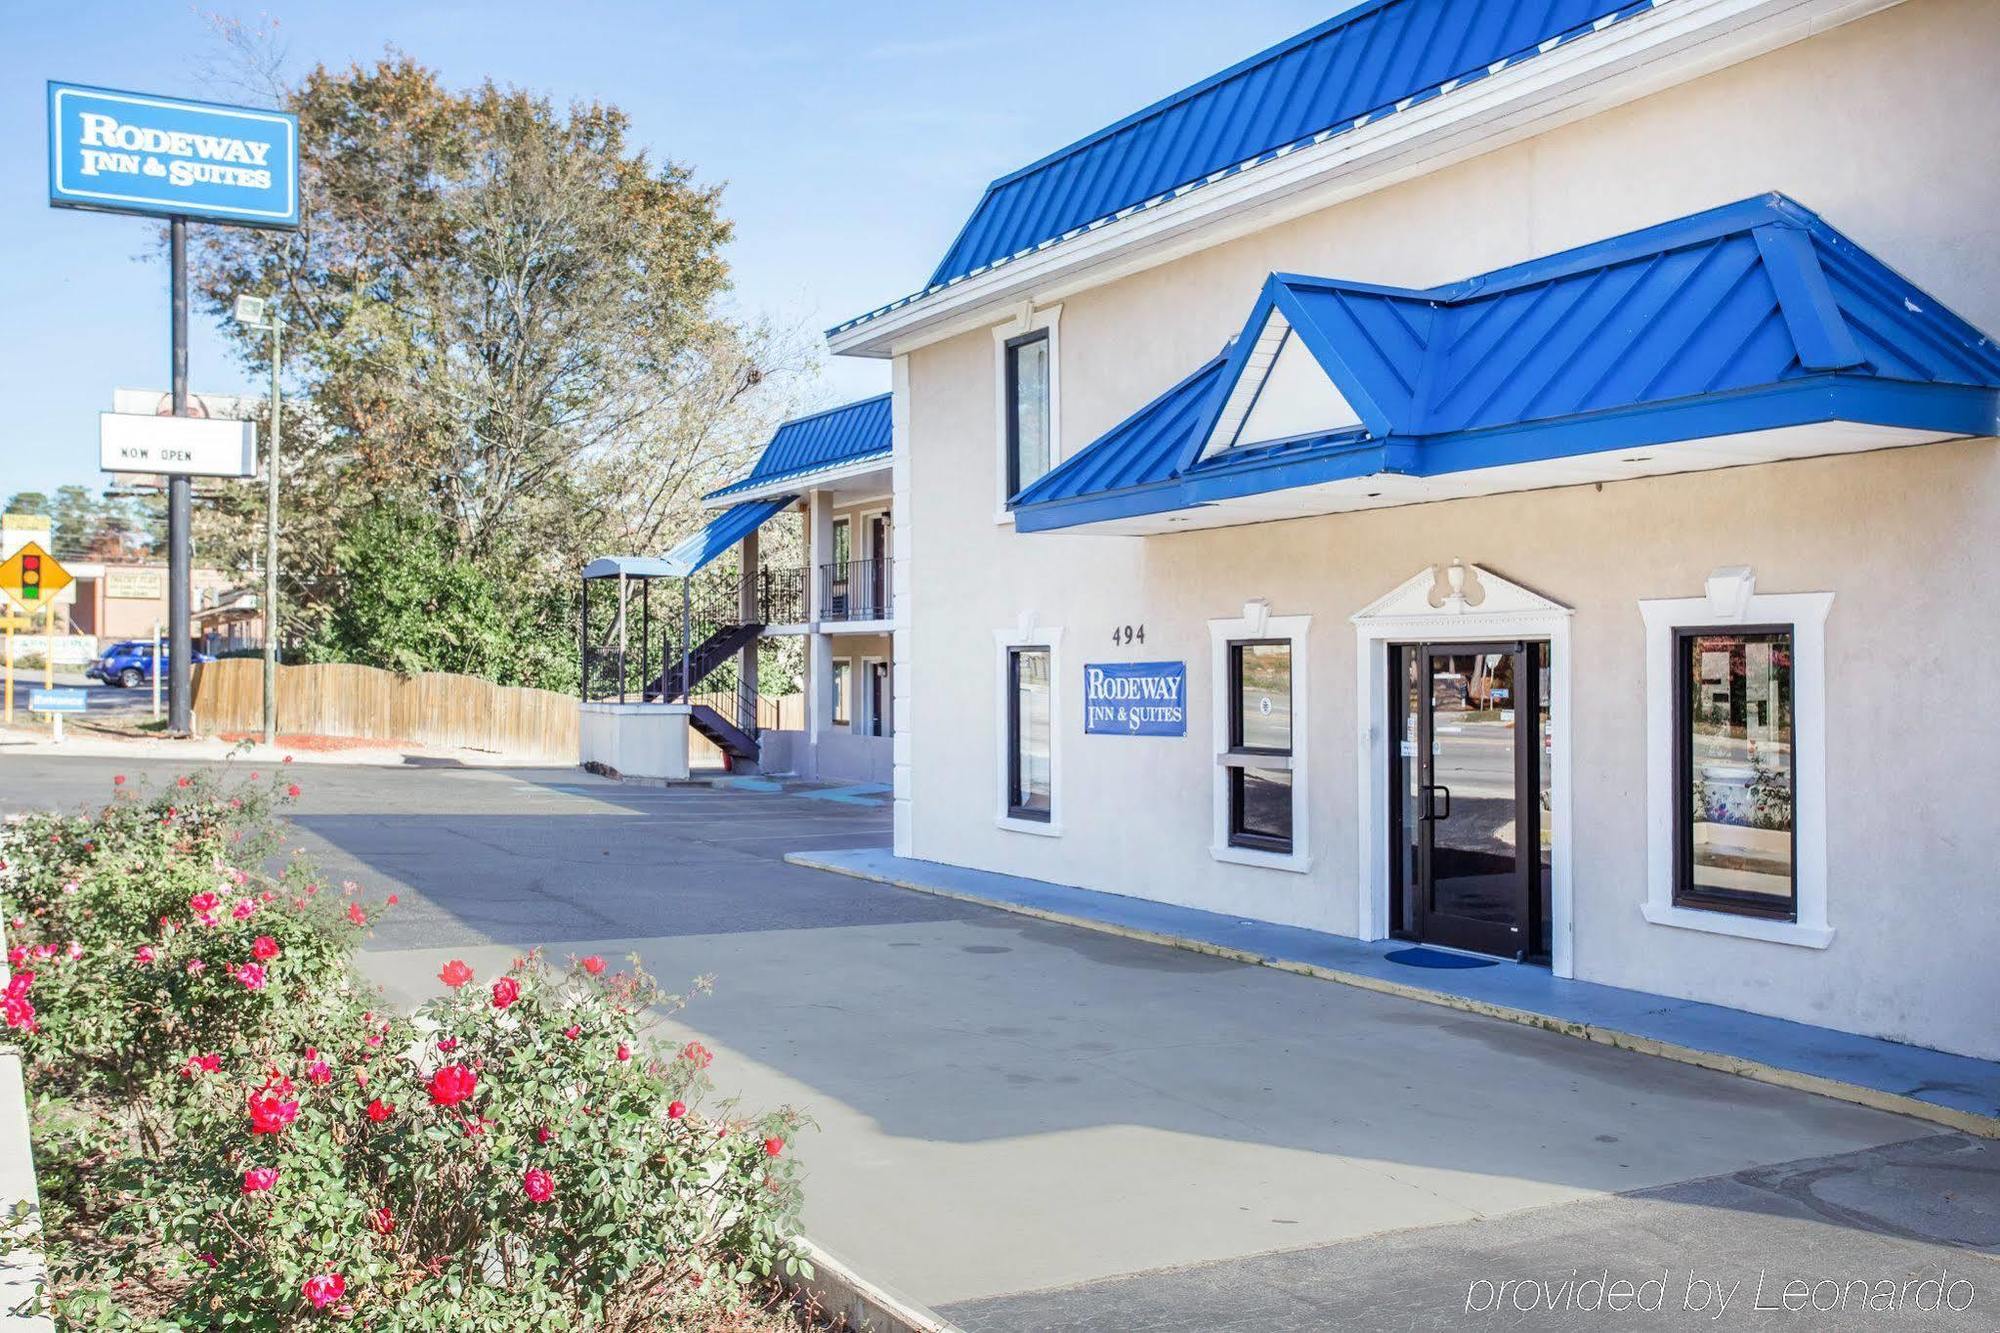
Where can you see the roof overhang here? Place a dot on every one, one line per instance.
(1674, 43)
(791, 484)
(1811, 417)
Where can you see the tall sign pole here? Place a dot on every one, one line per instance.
(179, 159)
(180, 514)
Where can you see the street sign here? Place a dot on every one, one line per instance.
(178, 446)
(32, 577)
(122, 152)
(58, 701)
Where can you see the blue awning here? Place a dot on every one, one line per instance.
(726, 529)
(1732, 336)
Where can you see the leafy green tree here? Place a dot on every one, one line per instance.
(505, 325)
(408, 603)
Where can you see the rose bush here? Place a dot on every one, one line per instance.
(233, 1131)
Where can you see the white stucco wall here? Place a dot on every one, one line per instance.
(1874, 126)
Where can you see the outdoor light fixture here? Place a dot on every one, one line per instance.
(250, 311)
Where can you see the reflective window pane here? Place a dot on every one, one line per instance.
(1028, 410)
(841, 686)
(1263, 703)
(1260, 802)
(1736, 743)
(1029, 765)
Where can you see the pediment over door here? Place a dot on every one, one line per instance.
(1471, 598)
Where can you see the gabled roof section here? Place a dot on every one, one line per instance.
(836, 438)
(1377, 58)
(1743, 312)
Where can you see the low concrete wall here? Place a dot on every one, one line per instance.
(635, 740)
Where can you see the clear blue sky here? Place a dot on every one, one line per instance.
(853, 140)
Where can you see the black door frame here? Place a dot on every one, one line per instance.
(1521, 940)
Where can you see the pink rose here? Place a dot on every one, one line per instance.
(323, 1289)
(259, 1178)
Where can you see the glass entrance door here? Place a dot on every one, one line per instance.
(1470, 777)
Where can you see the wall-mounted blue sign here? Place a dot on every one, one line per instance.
(1135, 698)
(170, 157)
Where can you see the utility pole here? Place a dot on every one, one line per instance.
(256, 312)
(180, 511)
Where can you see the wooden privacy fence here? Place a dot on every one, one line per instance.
(432, 708)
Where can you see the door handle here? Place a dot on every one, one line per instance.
(1434, 815)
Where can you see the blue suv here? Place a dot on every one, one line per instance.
(130, 663)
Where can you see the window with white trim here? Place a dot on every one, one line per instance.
(1736, 762)
(1028, 714)
(1027, 401)
(1259, 683)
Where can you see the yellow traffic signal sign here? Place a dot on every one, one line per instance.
(33, 577)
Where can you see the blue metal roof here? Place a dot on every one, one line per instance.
(726, 529)
(1746, 317)
(1376, 58)
(837, 437)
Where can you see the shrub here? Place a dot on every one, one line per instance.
(150, 928)
(258, 1143)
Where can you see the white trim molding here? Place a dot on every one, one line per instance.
(1257, 622)
(1731, 599)
(1027, 633)
(1026, 319)
(1456, 604)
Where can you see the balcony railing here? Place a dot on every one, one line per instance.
(854, 590)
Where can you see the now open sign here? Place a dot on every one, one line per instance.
(1135, 698)
(171, 157)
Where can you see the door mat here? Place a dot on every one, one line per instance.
(1436, 958)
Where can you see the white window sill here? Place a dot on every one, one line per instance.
(1297, 863)
(1035, 826)
(1743, 927)
(1004, 517)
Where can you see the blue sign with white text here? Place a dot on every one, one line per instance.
(58, 701)
(171, 157)
(1135, 698)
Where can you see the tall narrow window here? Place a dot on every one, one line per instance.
(1260, 745)
(1027, 409)
(1029, 772)
(1734, 772)
(842, 684)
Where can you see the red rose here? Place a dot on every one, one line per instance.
(203, 903)
(455, 974)
(203, 1064)
(183, 782)
(19, 1011)
(383, 1221)
(379, 1110)
(323, 1289)
(593, 965)
(263, 948)
(452, 1085)
(538, 1184)
(293, 791)
(319, 1072)
(573, 1031)
(624, 1051)
(356, 915)
(697, 1054)
(269, 1114)
(117, 779)
(144, 955)
(505, 992)
(393, 900)
(773, 1146)
(677, 1110)
(259, 1178)
(542, 1134)
(250, 974)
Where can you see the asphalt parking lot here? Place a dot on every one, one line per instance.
(1026, 1126)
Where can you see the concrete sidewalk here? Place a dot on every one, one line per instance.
(1952, 1090)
